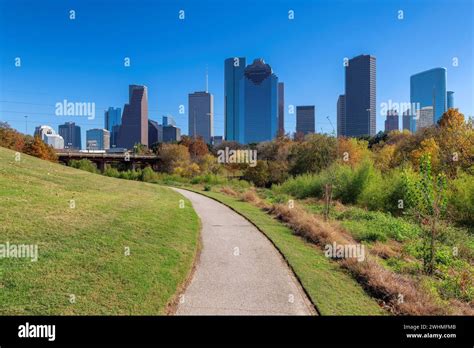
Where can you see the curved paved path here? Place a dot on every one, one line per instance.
(239, 271)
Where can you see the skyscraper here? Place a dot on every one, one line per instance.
(71, 135)
(409, 121)
(428, 88)
(155, 132)
(425, 117)
(233, 101)
(112, 118)
(450, 97)
(49, 137)
(260, 103)
(97, 139)
(281, 108)
(391, 122)
(360, 96)
(341, 115)
(134, 128)
(201, 115)
(305, 119)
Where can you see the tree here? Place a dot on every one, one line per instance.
(173, 156)
(38, 148)
(427, 197)
(312, 155)
(196, 146)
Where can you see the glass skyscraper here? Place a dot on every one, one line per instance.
(112, 119)
(281, 108)
(233, 74)
(450, 96)
(360, 96)
(305, 119)
(201, 115)
(341, 115)
(71, 135)
(97, 139)
(259, 105)
(428, 88)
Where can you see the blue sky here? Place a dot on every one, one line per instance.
(82, 60)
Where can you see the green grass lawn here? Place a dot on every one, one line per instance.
(333, 290)
(82, 250)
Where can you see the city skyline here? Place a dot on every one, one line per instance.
(309, 77)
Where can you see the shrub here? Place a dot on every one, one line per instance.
(349, 183)
(383, 192)
(84, 164)
(302, 186)
(112, 172)
(149, 175)
(461, 199)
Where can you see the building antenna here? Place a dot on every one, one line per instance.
(207, 81)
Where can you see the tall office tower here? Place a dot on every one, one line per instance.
(361, 97)
(260, 104)
(305, 119)
(201, 115)
(281, 108)
(49, 137)
(391, 123)
(113, 118)
(428, 88)
(409, 121)
(97, 139)
(168, 120)
(134, 128)
(450, 101)
(155, 132)
(71, 135)
(233, 74)
(341, 115)
(425, 117)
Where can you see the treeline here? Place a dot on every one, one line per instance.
(34, 146)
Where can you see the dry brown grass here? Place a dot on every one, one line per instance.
(229, 191)
(399, 294)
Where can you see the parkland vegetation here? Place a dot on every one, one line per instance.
(408, 198)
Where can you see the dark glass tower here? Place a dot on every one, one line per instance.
(113, 118)
(305, 121)
(259, 107)
(281, 108)
(341, 115)
(201, 115)
(360, 96)
(71, 135)
(233, 74)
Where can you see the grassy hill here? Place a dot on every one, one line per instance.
(83, 266)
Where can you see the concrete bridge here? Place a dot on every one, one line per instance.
(132, 161)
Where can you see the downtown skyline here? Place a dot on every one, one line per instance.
(313, 75)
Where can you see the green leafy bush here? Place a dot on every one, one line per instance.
(461, 199)
(84, 164)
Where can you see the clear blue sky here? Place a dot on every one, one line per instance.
(81, 60)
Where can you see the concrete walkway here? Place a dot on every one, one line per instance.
(239, 272)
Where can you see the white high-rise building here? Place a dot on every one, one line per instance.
(49, 137)
(425, 117)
